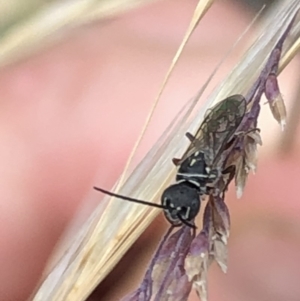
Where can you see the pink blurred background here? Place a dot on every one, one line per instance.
(70, 114)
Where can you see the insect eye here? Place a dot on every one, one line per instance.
(167, 202)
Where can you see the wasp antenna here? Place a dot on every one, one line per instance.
(126, 198)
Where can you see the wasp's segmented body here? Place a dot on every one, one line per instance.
(202, 164)
(203, 161)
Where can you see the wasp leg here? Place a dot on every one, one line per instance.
(254, 130)
(176, 161)
(190, 137)
(247, 132)
(237, 135)
(230, 173)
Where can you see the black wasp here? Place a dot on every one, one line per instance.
(201, 165)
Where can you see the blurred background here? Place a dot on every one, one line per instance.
(77, 80)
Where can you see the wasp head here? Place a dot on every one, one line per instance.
(181, 203)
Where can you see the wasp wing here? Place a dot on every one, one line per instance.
(217, 129)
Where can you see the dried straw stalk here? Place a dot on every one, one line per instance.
(27, 26)
(114, 226)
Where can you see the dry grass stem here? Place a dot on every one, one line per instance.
(289, 55)
(106, 236)
(39, 23)
(201, 9)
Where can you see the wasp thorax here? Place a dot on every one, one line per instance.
(181, 203)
